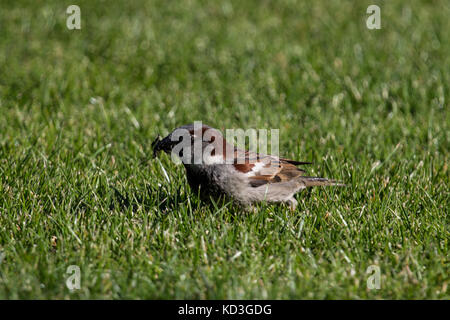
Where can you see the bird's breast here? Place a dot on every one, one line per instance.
(213, 179)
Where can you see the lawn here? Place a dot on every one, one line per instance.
(80, 108)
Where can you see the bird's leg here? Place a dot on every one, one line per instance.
(252, 209)
(292, 203)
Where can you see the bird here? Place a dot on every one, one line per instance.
(216, 169)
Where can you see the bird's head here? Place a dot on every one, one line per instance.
(193, 143)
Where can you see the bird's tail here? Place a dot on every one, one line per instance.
(316, 181)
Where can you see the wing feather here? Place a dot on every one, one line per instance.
(263, 169)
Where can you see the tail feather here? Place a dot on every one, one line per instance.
(317, 181)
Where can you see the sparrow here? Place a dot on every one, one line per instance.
(220, 170)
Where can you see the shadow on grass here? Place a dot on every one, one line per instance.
(150, 198)
(165, 202)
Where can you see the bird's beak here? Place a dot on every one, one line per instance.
(161, 145)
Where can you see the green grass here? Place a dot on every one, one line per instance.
(79, 110)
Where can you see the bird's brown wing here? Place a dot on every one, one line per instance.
(263, 169)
